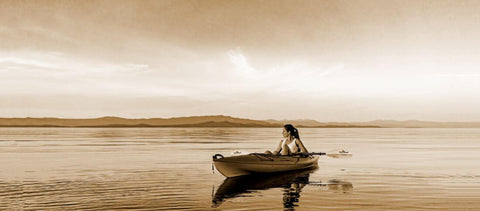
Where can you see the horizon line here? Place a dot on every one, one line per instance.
(221, 115)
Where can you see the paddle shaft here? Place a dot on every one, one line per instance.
(332, 155)
(312, 153)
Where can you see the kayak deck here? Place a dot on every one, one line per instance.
(259, 163)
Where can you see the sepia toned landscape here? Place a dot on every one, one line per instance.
(239, 105)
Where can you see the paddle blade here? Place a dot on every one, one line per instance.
(342, 154)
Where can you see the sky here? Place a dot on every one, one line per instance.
(322, 60)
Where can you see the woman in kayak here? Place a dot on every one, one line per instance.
(291, 144)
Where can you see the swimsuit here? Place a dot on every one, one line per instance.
(293, 146)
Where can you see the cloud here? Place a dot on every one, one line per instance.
(8, 62)
(284, 76)
(463, 75)
(240, 61)
(54, 72)
(55, 62)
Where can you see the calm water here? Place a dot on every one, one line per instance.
(170, 168)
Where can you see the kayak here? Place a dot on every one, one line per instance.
(260, 163)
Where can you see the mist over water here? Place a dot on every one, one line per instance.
(170, 168)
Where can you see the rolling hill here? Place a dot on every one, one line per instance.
(221, 121)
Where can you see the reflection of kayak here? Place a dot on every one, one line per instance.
(234, 187)
(292, 183)
(258, 163)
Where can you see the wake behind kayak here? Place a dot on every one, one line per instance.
(260, 163)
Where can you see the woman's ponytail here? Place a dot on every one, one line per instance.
(293, 131)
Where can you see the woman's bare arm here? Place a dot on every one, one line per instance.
(279, 148)
(302, 147)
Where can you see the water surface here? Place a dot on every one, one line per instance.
(170, 168)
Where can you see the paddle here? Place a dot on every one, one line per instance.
(340, 154)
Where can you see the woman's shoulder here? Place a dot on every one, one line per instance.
(297, 140)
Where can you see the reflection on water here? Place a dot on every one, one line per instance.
(292, 184)
(335, 185)
(146, 190)
(291, 193)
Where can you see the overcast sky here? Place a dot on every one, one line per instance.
(322, 60)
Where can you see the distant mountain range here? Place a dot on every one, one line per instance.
(194, 121)
(221, 121)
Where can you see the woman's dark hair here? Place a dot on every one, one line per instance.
(293, 131)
